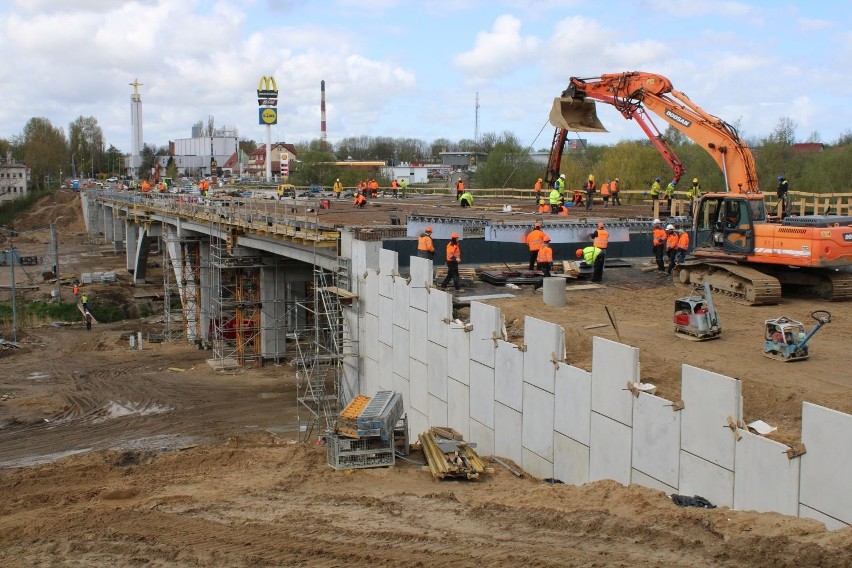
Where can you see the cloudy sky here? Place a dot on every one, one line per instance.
(414, 68)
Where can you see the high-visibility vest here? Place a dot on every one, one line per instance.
(655, 188)
(424, 242)
(545, 254)
(590, 186)
(359, 199)
(683, 241)
(453, 250)
(613, 186)
(590, 254)
(602, 239)
(535, 238)
(555, 197)
(563, 212)
(545, 208)
(659, 236)
(460, 185)
(672, 241)
(394, 184)
(605, 190)
(537, 186)
(338, 187)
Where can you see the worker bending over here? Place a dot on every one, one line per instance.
(589, 254)
(545, 260)
(360, 200)
(466, 199)
(600, 240)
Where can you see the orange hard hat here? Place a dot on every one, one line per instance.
(428, 229)
(579, 253)
(454, 235)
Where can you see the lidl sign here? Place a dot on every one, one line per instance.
(268, 115)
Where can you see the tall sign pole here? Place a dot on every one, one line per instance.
(267, 114)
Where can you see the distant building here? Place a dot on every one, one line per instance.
(807, 148)
(14, 179)
(257, 160)
(462, 161)
(412, 173)
(192, 155)
(572, 146)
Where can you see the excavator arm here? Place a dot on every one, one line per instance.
(629, 93)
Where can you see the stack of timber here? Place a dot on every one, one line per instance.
(365, 432)
(467, 275)
(448, 455)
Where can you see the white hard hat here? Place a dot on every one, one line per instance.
(562, 175)
(657, 221)
(670, 227)
(338, 179)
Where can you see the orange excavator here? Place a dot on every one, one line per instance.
(739, 249)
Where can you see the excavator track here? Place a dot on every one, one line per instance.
(841, 286)
(744, 284)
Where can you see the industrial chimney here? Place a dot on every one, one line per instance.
(322, 112)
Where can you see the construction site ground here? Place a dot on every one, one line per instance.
(111, 456)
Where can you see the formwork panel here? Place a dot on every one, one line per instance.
(438, 411)
(417, 338)
(830, 523)
(418, 422)
(765, 479)
(385, 370)
(400, 303)
(827, 465)
(403, 387)
(385, 320)
(509, 375)
(536, 465)
(370, 339)
(487, 324)
(400, 352)
(418, 384)
(482, 394)
(613, 365)
(538, 421)
(570, 460)
(545, 343)
(458, 356)
(508, 428)
(437, 370)
(573, 403)
(483, 437)
(639, 478)
(369, 376)
(609, 457)
(706, 479)
(388, 267)
(421, 278)
(440, 314)
(656, 439)
(458, 407)
(709, 398)
(369, 292)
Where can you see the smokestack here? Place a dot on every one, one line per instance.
(322, 110)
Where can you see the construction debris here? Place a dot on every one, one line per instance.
(449, 457)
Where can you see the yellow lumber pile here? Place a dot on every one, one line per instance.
(450, 456)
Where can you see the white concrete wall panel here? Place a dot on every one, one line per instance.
(437, 370)
(369, 376)
(613, 365)
(573, 403)
(830, 523)
(709, 398)
(538, 421)
(536, 465)
(509, 375)
(545, 342)
(482, 394)
(438, 411)
(385, 370)
(639, 478)
(400, 352)
(487, 322)
(570, 460)
(421, 278)
(440, 314)
(656, 439)
(400, 303)
(402, 386)
(369, 292)
(418, 386)
(765, 479)
(417, 335)
(388, 267)
(458, 407)
(418, 422)
(483, 437)
(458, 353)
(508, 428)
(386, 320)
(371, 336)
(827, 465)
(707, 479)
(609, 456)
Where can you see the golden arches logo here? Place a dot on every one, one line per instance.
(267, 83)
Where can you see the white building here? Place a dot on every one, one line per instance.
(413, 174)
(192, 155)
(14, 179)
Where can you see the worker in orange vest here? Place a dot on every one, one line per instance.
(563, 211)
(613, 189)
(537, 188)
(545, 258)
(425, 247)
(374, 188)
(578, 198)
(591, 189)
(543, 207)
(76, 291)
(146, 187)
(605, 193)
(534, 240)
(453, 260)
(600, 239)
(672, 241)
(360, 200)
(459, 188)
(682, 246)
(395, 188)
(658, 239)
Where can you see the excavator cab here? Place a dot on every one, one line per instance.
(575, 114)
(725, 223)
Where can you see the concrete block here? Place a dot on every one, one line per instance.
(830, 523)
(613, 365)
(400, 303)
(508, 428)
(400, 352)
(707, 479)
(458, 407)
(370, 338)
(765, 479)
(421, 278)
(509, 375)
(440, 313)
(826, 476)
(639, 478)
(402, 386)
(710, 399)
(458, 357)
(536, 465)
(418, 386)
(418, 422)
(545, 342)
(656, 439)
(388, 268)
(610, 453)
(437, 370)
(385, 370)
(417, 337)
(438, 412)
(369, 292)
(369, 376)
(483, 436)
(570, 460)
(385, 334)
(482, 394)
(538, 421)
(573, 403)
(487, 324)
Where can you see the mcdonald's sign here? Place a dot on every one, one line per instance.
(267, 91)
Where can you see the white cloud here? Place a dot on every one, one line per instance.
(809, 25)
(498, 52)
(697, 8)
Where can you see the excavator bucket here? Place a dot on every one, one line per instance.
(575, 115)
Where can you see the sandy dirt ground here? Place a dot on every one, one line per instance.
(112, 457)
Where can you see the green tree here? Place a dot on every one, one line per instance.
(44, 150)
(86, 141)
(508, 165)
(314, 167)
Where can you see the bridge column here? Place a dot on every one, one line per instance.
(273, 293)
(109, 226)
(130, 232)
(118, 230)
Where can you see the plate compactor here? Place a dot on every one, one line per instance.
(695, 317)
(786, 340)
